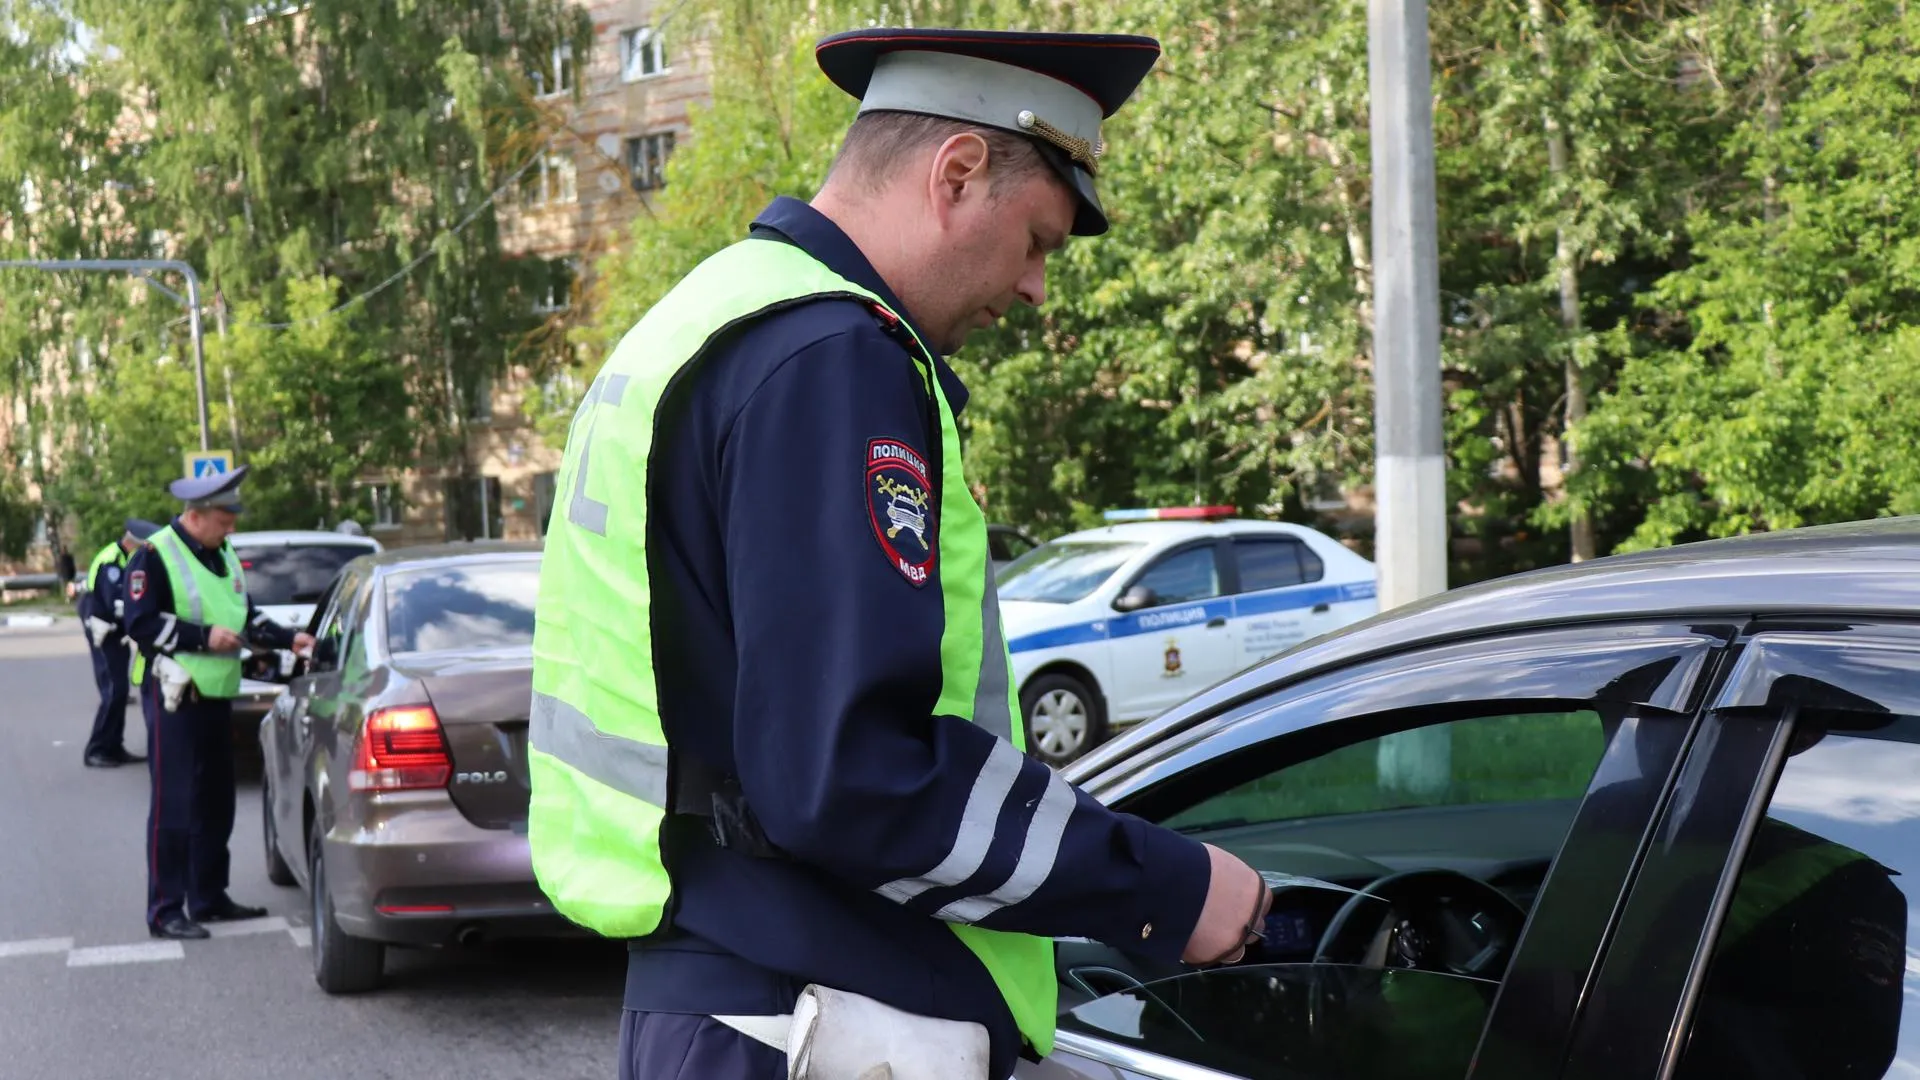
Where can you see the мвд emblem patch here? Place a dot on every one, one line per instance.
(900, 506)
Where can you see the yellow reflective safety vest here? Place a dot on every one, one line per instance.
(112, 553)
(204, 597)
(597, 758)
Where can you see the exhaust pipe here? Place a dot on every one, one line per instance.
(468, 936)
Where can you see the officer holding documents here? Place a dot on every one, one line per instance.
(101, 611)
(773, 738)
(189, 614)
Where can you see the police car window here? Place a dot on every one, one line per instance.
(293, 574)
(1816, 970)
(1061, 573)
(1183, 577)
(478, 605)
(1275, 564)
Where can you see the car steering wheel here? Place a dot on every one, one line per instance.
(1430, 920)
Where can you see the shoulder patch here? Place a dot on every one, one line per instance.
(900, 506)
(113, 573)
(137, 585)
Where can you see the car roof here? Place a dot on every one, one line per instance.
(1161, 532)
(1855, 569)
(478, 551)
(273, 537)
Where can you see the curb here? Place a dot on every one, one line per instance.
(24, 621)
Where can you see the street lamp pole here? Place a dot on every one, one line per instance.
(142, 267)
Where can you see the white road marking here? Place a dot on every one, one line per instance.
(302, 936)
(271, 924)
(36, 947)
(143, 953)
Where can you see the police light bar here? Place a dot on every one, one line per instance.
(1171, 513)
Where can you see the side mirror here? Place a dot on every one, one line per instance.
(1134, 599)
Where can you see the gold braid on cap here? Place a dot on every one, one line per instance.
(1087, 154)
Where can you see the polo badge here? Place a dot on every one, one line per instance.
(137, 584)
(900, 507)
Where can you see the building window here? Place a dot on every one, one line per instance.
(642, 53)
(555, 76)
(384, 500)
(556, 294)
(647, 160)
(480, 399)
(474, 510)
(543, 490)
(552, 182)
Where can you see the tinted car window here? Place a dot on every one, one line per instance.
(1301, 1021)
(1275, 564)
(1816, 971)
(296, 574)
(1183, 577)
(1062, 573)
(481, 605)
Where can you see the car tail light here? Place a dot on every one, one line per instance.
(401, 749)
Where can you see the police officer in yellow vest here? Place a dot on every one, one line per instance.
(189, 614)
(101, 612)
(773, 741)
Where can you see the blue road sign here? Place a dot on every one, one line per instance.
(203, 463)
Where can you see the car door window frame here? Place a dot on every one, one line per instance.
(1301, 549)
(1653, 672)
(1222, 571)
(1676, 898)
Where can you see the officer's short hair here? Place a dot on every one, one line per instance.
(878, 140)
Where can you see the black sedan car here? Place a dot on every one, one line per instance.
(1647, 817)
(395, 783)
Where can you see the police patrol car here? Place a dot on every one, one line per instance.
(1114, 625)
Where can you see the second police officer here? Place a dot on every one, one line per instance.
(102, 611)
(773, 739)
(189, 614)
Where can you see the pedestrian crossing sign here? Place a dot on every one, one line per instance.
(204, 463)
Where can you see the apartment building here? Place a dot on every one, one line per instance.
(603, 168)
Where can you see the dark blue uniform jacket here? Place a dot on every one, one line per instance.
(151, 622)
(793, 653)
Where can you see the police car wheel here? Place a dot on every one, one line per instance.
(278, 871)
(341, 964)
(1063, 718)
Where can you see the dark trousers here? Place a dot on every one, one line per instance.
(110, 675)
(190, 818)
(676, 1046)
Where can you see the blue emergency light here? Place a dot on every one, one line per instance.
(1171, 513)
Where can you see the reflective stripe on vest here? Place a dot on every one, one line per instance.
(597, 757)
(204, 597)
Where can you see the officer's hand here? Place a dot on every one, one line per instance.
(224, 640)
(303, 644)
(1236, 907)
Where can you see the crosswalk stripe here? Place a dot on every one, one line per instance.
(271, 924)
(302, 936)
(35, 947)
(143, 953)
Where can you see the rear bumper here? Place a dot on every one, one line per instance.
(425, 875)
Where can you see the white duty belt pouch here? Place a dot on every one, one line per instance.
(835, 1035)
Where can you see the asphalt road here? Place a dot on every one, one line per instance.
(85, 993)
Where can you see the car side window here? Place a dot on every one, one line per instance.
(1183, 577)
(1275, 564)
(1449, 827)
(1817, 959)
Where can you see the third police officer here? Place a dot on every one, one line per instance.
(189, 613)
(774, 743)
(102, 608)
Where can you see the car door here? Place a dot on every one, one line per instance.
(286, 760)
(1487, 800)
(341, 679)
(1773, 931)
(1181, 642)
(1278, 600)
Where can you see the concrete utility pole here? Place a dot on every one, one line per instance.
(1410, 479)
(143, 267)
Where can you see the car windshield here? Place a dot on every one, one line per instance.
(1060, 573)
(468, 606)
(293, 573)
